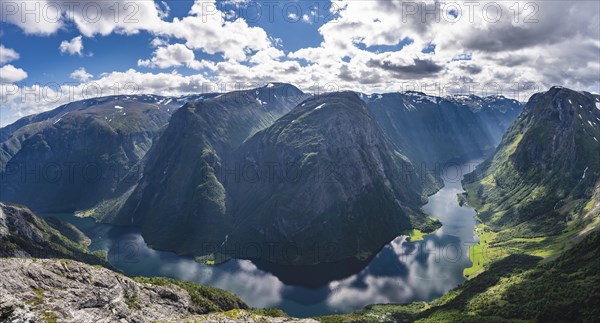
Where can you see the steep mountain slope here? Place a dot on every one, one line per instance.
(180, 201)
(325, 180)
(432, 130)
(23, 234)
(196, 197)
(73, 156)
(546, 167)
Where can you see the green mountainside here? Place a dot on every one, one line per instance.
(537, 197)
(547, 164)
(72, 157)
(25, 235)
(180, 202)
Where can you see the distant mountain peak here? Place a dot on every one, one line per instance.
(280, 86)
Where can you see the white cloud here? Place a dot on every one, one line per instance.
(45, 17)
(72, 47)
(81, 74)
(267, 56)
(33, 17)
(132, 17)
(202, 29)
(158, 83)
(567, 35)
(205, 29)
(7, 55)
(306, 18)
(158, 42)
(173, 56)
(11, 74)
(505, 52)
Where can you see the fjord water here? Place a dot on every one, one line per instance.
(400, 273)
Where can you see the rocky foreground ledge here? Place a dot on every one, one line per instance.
(35, 290)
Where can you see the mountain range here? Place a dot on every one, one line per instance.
(211, 174)
(538, 205)
(433, 130)
(537, 198)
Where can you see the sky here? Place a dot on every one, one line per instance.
(55, 52)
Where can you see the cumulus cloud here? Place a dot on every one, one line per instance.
(470, 68)
(7, 55)
(81, 74)
(238, 3)
(44, 17)
(158, 42)
(72, 47)
(418, 69)
(360, 43)
(537, 39)
(173, 56)
(267, 56)
(130, 18)
(203, 28)
(158, 83)
(11, 74)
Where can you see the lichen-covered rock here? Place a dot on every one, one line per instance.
(68, 291)
(244, 316)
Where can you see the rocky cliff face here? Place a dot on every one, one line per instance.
(24, 235)
(74, 156)
(69, 291)
(547, 164)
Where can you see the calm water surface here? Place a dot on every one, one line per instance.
(400, 273)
